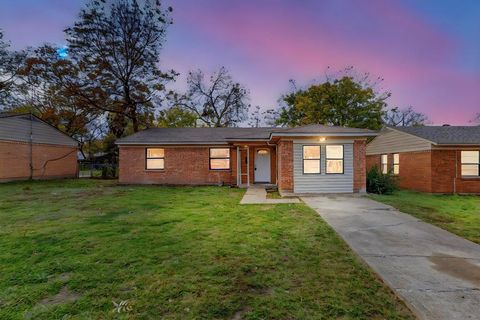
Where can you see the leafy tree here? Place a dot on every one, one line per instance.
(340, 102)
(405, 117)
(10, 63)
(176, 117)
(116, 45)
(220, 102)
(47, 86)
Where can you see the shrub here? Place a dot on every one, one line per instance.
(109, 172)
(380, 183)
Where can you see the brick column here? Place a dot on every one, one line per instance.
(359, 166)
(285, 165)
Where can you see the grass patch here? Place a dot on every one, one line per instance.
(455, 213)
(82, 249)
(273, 195)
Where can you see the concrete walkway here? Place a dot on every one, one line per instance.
(257, 194)
(435, 272)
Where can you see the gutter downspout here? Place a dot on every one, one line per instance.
(456, 173)
(31, 147)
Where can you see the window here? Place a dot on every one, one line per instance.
(470, 163)
(219, 158)
(311, 159)
(334, 159)
(155, 159)
(396, 163)
(384, 163)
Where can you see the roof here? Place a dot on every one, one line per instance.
(445, 135)
(23, 127)
(225, 135)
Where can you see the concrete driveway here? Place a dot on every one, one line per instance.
(435, 272)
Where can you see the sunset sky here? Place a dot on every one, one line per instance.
(428, 51)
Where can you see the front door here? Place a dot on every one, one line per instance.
(262, 165)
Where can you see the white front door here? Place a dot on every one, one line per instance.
(262, 165)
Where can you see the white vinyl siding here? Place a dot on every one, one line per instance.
(323, 182)
(19, 128)
(393, 141)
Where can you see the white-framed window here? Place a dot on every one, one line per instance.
(334, 159)
(311, 159)
(470, 163)
(384, 163)
(155, 159)
(219, 159)
(396, 163)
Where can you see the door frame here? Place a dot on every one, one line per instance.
(255, 150)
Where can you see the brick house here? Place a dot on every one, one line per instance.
(430, 159)
(308, 159)
(32, 149)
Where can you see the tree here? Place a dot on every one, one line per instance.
(342, 102)
(219, 103)
(176, 117)
(476, 119)
(10, 63)
(404, 117)
(258, 118)
(116, 45)
(47, 86)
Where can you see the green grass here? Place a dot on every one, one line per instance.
(69, 249)
(455, 213)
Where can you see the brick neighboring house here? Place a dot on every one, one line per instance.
(32, 149)
(308, 159)
(430, 159)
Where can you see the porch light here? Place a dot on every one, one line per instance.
(322, 139)
(262, 152)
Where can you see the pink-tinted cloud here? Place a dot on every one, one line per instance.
(391, 41)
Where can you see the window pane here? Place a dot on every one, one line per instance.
(219, 164)
(155, 164)
(396, 158)
(384, 158)
(384, 168)
(396, 169)
(469, 170)
(311, 166)
(311, 152)
(470, 156)
(220, 153)
(155, 153)
(334, 166)
(335, 152)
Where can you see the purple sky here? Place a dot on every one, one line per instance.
(427, 51)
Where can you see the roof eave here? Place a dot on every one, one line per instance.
(338, 134)
(171, 143)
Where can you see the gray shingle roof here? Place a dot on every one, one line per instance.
(223, 135)
(450, 135)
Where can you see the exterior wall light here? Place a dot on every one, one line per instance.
(322, 139)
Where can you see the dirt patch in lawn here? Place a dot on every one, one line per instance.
(457, 267)
(65, 295)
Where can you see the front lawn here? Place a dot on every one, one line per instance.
(89, 249)
(457, 214)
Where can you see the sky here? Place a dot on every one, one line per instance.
(427, 51)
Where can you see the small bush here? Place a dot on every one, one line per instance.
(109, 172)
(380, 183)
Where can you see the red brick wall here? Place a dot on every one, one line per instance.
(285, 165)
(372, 161)
(183, 165)
(431, 171)
(49, 161)
(359, 166)
(444, 179)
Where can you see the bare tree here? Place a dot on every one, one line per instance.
(116, 44)
(220, 102)
(476, 119)
(10, 64)
(405, 117)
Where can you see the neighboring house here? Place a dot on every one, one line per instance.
(430, 159)
(32, 149)
(308, 159)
